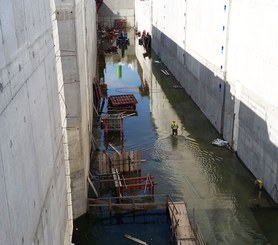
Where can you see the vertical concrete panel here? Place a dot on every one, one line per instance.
(39, 116)
(83, 68)
(91, 39)
(143, 14)
(116, 9)
(205, 35)
(5, 90)
(252, 46)
(7, 25)
(256, 148)
(57, 209)
(5, 225)
(20, 25)
(36, 16)
(54, 111)
(20, 168)
(77, 36)
(31, 127)
(2, 51)
(39, 238)
(72, 95)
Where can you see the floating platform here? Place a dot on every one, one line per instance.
(182, 230)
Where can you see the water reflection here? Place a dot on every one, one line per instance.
(210, 179)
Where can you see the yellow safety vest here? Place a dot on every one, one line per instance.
(174, 126)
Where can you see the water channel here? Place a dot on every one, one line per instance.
(209, 179)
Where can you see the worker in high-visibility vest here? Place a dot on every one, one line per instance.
(174, 127)
(259, 184)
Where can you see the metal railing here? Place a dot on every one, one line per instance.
(145, 202)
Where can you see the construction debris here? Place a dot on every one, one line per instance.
(219, 142)
(165, 72)
(135, 239)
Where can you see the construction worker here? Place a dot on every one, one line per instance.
(259, 184)
(174, 127)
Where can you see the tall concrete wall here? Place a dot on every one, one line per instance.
(224, 53)
(252, 71)
(111, 10)
(33, 202)
(47, 65)
(76, 29)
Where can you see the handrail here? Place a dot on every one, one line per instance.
(199, 235)
(128, 197)
(173, 203)
(174, 208)
(103, 201)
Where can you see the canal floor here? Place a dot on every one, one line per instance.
(209, 179)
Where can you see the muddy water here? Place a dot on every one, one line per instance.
(210, 179)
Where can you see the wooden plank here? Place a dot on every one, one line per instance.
(138, 160)
(126, 162)
(114, 148)
(93, 187)
(180, 222)
(117, 162)
(129, 205)
(116, 177)
(117, 181)
(135, 239)
(135, 161)
(106, 163)
(131, 166)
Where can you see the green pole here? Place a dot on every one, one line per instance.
(119, 71)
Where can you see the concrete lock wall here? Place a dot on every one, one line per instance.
(77, 46)
(224, 53)
(46, 74)
(33, 187)
(112, 10)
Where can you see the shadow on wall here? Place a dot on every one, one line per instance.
(202, 85)
(256, 150)
(214, 98)
(107, 18)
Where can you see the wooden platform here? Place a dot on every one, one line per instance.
(181, 227)
(125, 162)
(183, 232)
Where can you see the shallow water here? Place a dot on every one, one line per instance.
(209, 179)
